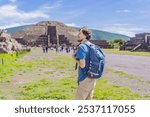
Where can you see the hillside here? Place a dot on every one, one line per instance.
(96, 34)
(14, 29)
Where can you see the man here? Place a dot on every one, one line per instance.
(43, 47)
(85, 85)
(46, 48)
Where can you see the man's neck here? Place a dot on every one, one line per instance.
(85, 40)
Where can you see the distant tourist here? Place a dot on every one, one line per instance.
(66, 49)
(62, 48)
(57, 49)
(44, 49)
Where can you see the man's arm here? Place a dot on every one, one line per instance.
(79, 56)
(80, 62)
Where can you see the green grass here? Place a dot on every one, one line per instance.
(106, 91)
(117, 51)
(63, 88)
(62, 62)
(123, 74)
(2, 96)
(49, 72)
(46, 89)
(66, 87)
(10, 64)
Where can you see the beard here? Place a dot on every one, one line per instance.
(79, 41)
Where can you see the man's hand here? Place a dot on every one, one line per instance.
(74, 55)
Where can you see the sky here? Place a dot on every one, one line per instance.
(126, 17)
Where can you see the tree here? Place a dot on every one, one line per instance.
(116, 43)
(119, 41)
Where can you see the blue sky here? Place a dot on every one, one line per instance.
(119, 16)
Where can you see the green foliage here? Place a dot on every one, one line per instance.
(116, 43)
(119, 41)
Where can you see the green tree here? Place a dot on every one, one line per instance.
(116, 43)
(119, 41)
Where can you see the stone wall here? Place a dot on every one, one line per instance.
(138, 43)
(8, 44)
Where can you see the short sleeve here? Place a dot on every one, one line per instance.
(80, 53)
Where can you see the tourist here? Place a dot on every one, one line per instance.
(85, 84)
(46, 49)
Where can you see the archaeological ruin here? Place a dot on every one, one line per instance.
(9, 44)
(46, 33)
(51, 33)
(141, 42)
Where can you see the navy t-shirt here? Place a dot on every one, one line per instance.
(83, 52)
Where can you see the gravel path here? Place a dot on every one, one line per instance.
(138, 66)
(132, 64)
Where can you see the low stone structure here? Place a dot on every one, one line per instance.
(8, 44)
(101, 43)
(141, 42)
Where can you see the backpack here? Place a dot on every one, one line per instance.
(96, 61)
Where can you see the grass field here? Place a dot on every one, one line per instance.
(60, 82)
(117, 51)
(9, 64)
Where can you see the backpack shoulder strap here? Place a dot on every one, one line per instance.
(101, 51)
(89, 44)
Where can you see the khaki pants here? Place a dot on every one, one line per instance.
(85, 89)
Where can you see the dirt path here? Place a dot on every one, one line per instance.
(138, 66)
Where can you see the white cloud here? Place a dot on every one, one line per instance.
(11, 11)
(71, 24)
(13, 0)
(119, 24)
(123, 11)
(56, 5)
(12, 15)
(15, 24)
(74, 13)
(126, 29)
